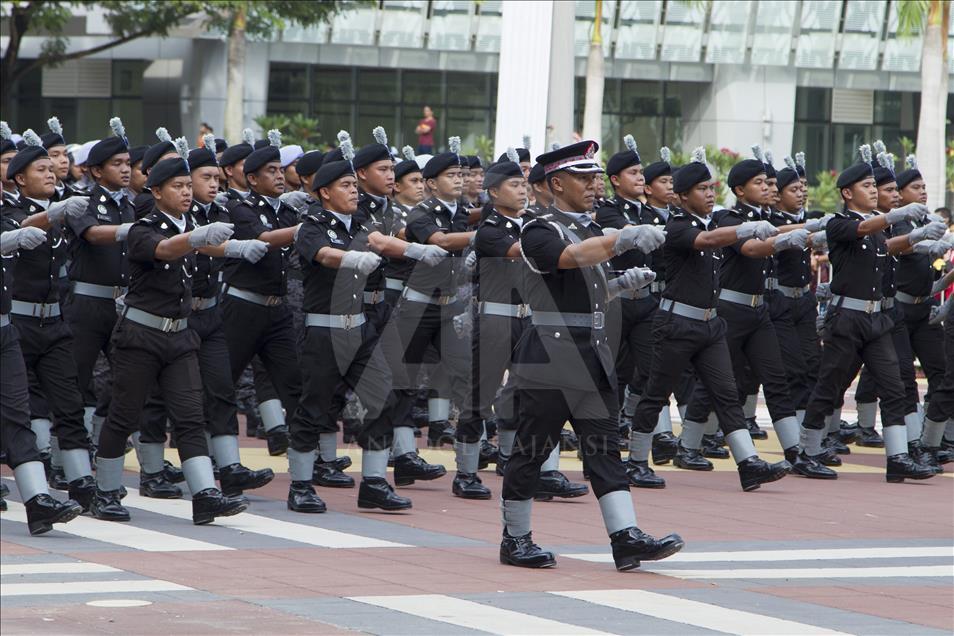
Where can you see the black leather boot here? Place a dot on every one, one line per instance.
(237, 478)
(753, 472)
(524, 553)
(941, 455)
(376, 492)
(632, 545)
(156, 486)
(642, 476)
(848, 433)
(469, 486)
(807, 466)
(172, 473)
(690, 459)
(828, 457)
(4, 492)
(42, 511)
(57, 478)
(82, 491)
(918, 454)
(902, 466)
(869, 438)
(712, 449)
(834, 443)
(665, 447)
(488, 455)
(553, 483)
(327, 475)
(754, 429)
(409, 468)
(302, 498)
(277, 440)
(211, 503)
(106, 506)
(440, 433)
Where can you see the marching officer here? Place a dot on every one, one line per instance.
(142, 204)
(55, 144)
(153, 345)
(232, 162)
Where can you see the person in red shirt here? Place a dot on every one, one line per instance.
(425, 132)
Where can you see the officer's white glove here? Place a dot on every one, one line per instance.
(760, 230)
(645, 238)
(470, 263)
(817, 225)
(297, 230)
(934, 249)
(823, 292)
(930, 232)
(820, 240)
(632, 279)
(909, 212)
(222, 198)
(26, 238)
(296, 199)
(122, 231)
(251, 250)
(211, 234)
(464, 324)
(940, 313)
(72, 208)
(427, 254)
(794, 240)
(364, 262)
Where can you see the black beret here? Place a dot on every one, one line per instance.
(106, 148)
(136, 154)
(370, 154)
(884, 175)
(6, 146)
(500, 172)
(770, 171)
(52, 139)
(220, 145)
(24, 158)
(406, 167)
(746, 169)
(785, 177)
(439, 163)
(167, 169)
(260, 157)
(473, 161)
(800, 169)
(202, 157)
(21, 144)
(523, 153)
(622, 160)
(332, 155)
(905, 177)
(152, 155)
(260, 143)
(686, 177)
(331, 172)
(309, 163)
(655, 170)
(233, 154)
(536, 174)
(853, 174)
(579, 157)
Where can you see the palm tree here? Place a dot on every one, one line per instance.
(933, 19)
(595, 78)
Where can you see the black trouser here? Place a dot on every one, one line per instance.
(218, 391)
(927, 343)
(416, 329)
(851, 335)
(634, 343)
(47, 347)
(18, 439)
(543, 411)
(144, 358)
(268, 332)
(867, 389)
(329, 358)
(490, 357)
(752, 344)
(91, 321)
(941, 406)
(681, 342)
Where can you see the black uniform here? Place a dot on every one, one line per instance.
(98, 275)
(379, 214)
(163, 353)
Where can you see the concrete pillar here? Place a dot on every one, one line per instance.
(560, 99)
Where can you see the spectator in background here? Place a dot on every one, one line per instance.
(944, 213)
(204, 129)
(425, 132)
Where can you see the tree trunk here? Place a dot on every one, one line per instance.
(235, 89)
(595, 76)
(933, 116)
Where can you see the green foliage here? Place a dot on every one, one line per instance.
(911, 16)
(720, 160)
(483, 147)
(824, 196)
(262, 18)
(949, 165)
(907, 146)
(297, 129)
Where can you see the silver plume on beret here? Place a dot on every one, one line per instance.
(347, 149)
(163, 134)
(789, 163)
(879, 147)
(865, 151)
(769, 159)
(911, 162)
(53, 123)
(512, 155)
(248, 137)
(454, 143)
(208, 141)
(555, 145)
(526, 142)
(275, 137)
(342, 135)
(182, 147)
(757, 152)
(699, 154)
(630, 143)
(888, 161)
(665, 154)
(408, 153)
(380, 135)
(116, 124)
(30, 138)
(5, 132)
(800, 159)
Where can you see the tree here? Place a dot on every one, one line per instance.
(933, 19)
(296, 129)
(243, 19)
(595, 79)
(128, 20)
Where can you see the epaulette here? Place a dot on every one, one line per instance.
(150, 219)
(842, 213)
(491, 220)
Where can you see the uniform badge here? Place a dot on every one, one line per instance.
(509, 225)
(573, 226)
(333, 221)
(261, 203)
(626, 207)
(101, 209)
(438, 222)
(437, 209)
(163, 227)
(373, 205)
(332, 234)
(263, 219)
(655, 219)
(102, 198)
(750, 215)
(694, 224)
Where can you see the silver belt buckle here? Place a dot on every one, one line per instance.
(869, 306)
(273, 301)
(117, 292)
(753, 301)
(707, 313)
(169, 324)
(348, 321)
(523, 310)
(598, 319)
(443, 300)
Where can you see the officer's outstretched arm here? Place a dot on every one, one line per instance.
(592, 251)
(719, 237)
(452, 242)
(277, 239)
(329, 257)
(106, 234)
(390, 246)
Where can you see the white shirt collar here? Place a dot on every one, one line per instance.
(451, 206)
(344, 218)
(583, 218)
(663, 212)
(43, 203)
(705, 220)
(274, 202)
(179, 223)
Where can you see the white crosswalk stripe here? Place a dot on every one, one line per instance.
(21, 569)
(33, 579)
(908, 571)
(827, 554)
(89, 587)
